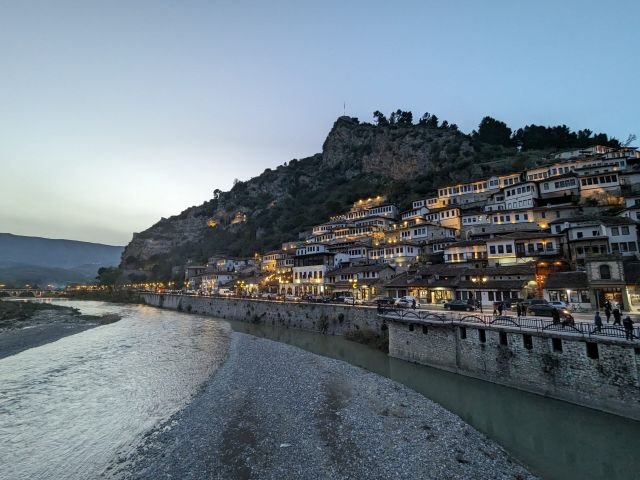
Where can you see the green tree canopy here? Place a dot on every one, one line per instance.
(493, 132)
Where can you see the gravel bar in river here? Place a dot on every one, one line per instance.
(274, 411)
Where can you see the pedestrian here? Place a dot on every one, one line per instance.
(598, 321)
(413, 304)
(628, 327)
(555, 314)
(617, 316)
(500, 308)
(519, 309)
(607, 311)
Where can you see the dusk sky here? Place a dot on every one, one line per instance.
(116, 113)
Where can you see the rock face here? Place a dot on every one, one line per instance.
(397, 152)
(358, 159)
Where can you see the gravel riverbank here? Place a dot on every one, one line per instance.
(273, 411)
(37, 326)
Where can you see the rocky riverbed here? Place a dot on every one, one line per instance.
(25, 325)
(274, 411)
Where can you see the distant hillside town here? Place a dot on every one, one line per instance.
(567, 231)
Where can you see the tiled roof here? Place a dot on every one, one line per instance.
(377, 267)
(467, 243)
(566, 280)
(602, 220)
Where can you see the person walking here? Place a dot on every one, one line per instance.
(413, 304)
(617, 316)
(555, 314)
(518, 309)
(500, 308)
(628, 327)
(598, 321)
(607, 311)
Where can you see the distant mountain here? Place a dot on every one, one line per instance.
(43, 261)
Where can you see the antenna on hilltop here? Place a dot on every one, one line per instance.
(344, 109)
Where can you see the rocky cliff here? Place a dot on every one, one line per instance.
(358, 160)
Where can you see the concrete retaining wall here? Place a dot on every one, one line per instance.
(610, 383)
(326, 318)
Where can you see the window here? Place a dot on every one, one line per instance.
(625, 230)
(556, 344)
(579, 235)
(605, 272)
(527, 341)
(503, 338)
(615, 231)
(509, 249)
(492, 249)
(500, 248)
(592, 350)
(482, 335)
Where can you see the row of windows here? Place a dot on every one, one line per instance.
(390, 251)
(457, 257)
(615, 231)
(593, 249)
(571, 182)
(305, 275)
(624, 247)
(500, 249)
(520, 204)
(519, 190)
(507, 218)
(598, 180)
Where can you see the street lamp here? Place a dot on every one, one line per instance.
(355, 286)
(479, 281)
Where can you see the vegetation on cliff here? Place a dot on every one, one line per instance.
(392, 156)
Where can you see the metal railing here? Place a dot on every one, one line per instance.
(533, 324)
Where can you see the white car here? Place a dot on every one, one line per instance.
(559, 304)
(407, 302)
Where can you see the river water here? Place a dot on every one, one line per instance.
(73, 408)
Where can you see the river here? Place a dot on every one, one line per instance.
(73, 408)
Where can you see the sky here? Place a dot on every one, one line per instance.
(114, 114)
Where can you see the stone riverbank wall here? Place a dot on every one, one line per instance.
(601, 373)
(332, 319)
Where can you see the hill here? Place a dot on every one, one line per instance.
(42, 261)
(396, 157)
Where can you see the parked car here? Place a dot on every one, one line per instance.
(341, 298)
(291, 298)
(458, 305)
(383, 301)
(406, 302)
(268, 296)
(353, 301)
(319, 298)
(545, 310)
(534, 301)
(559, 304)
(225, 292)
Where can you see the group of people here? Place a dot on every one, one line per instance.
(610, 310)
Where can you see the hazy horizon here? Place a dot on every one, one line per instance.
(117, 114)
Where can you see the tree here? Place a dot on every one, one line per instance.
(380, 119)
(493, 132)
(109, 277)
(428, 120)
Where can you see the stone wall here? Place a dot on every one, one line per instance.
(556, 365)
(326, 318)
